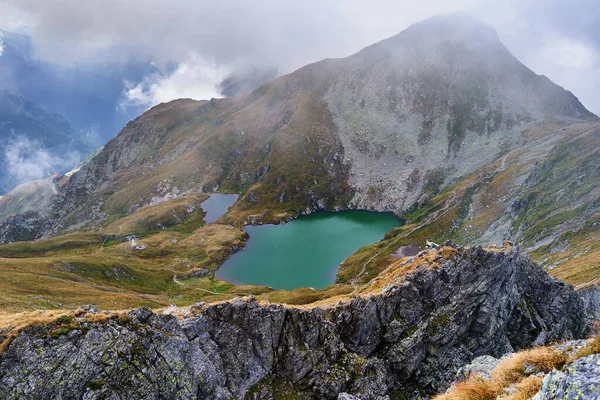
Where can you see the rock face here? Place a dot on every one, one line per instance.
(434, 103)
(581, 380)
(410, 339)
(591, 299)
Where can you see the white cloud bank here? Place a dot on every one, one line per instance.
(193, 78)
(558, 38)
(27, 160)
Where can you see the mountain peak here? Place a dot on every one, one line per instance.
(446, 36)
(384, 129)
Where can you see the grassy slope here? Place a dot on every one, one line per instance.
(102, 268)
(276, 146)
(547, 199)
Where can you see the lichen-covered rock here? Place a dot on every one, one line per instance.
(580, 380)
(409, 340)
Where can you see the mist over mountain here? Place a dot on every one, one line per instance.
(384, 129)
(90, 96)
(245, 81)
(36, 142)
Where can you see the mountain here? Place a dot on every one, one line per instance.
(385, 129)
(439, 124)
(36, 142)
(27, 196)
(88, 95)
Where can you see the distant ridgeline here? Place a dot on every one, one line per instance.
(36, 142)
(88, 96)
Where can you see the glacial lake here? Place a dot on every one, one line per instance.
(217, 205)
(305, 252)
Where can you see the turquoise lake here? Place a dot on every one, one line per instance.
(305, 252)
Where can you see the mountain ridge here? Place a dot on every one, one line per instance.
(381, 133)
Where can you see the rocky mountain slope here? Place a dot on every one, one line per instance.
(384, 129)
(26, 197)
(405, 335)
(544, 195)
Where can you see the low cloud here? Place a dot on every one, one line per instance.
(1, 44)
(27, 160)
(227, 37)
(193, 78)
(244, 80)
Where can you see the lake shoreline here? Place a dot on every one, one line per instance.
(272, 256)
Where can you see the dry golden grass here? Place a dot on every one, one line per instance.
(12, 324)
(398, 269)
(526, 389)
(469, 390)
(509, 371)
(58, 322)
(593, 347)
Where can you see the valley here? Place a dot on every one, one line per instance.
(363, 226)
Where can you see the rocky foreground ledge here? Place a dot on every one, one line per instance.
(453, 305)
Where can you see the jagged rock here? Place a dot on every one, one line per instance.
(410, 340)
(580, 380)
(346, 396)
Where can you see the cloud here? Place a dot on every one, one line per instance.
(1, 44)
(210, 39)
(244, 81)
(574, 65)
(27, 160)
(192, 78)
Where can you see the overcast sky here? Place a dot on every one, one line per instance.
(206, 40)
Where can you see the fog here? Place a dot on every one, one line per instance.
(28, 160)
(199, 44)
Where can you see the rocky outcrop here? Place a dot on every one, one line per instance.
(580, 380)
(409, 338)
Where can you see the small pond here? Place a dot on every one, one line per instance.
(217, 205)
(306, 251)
